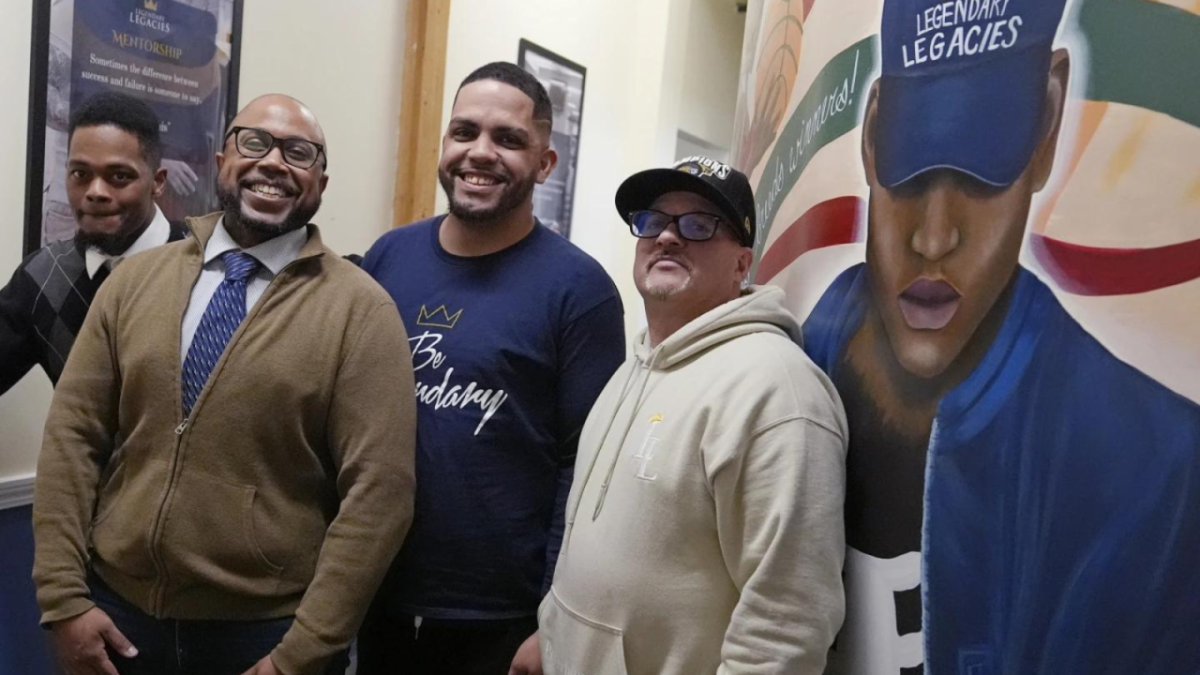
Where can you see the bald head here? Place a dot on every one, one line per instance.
(281, 108)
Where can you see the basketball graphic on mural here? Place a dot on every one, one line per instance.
(774, 78)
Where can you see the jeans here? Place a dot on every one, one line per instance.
(392, 644)
(178, 647)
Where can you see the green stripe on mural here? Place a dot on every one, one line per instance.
(1144, 54)
(832, 106)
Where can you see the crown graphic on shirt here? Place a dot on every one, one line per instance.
(438, 318)
(151, 5)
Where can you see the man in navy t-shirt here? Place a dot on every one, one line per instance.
(514, 331)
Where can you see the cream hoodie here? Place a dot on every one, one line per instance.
(704, 529)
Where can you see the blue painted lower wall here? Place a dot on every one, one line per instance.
(24, 648)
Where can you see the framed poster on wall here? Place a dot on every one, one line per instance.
(180, 56)
(563, 80)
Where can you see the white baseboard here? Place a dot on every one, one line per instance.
(16, 491)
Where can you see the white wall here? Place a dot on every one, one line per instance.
(710, 83)
(630, 104)
(23, 408)
(344, 59)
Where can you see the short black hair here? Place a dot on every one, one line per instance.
(515, 76)
(126, 113)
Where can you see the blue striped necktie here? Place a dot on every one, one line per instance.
(224, 314)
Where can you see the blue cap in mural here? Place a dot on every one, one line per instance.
(962, 86)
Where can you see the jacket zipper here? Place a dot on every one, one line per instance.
(159, 592)
(158, 595)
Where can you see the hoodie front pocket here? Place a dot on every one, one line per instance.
(574, 645)
(209, 537)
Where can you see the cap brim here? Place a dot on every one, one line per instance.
(982, 120)
(640, 190)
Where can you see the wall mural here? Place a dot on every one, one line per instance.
(987, 215)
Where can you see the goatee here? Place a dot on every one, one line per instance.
(513, 196)
(231, 204)
(108, 244)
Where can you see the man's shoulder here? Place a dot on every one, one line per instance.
(351, 279)
(571, 270)
(1095, 372)
(839, 309)
(56, 255)
(770, 373)
(406, 235)
(163, 254)
(399, 248)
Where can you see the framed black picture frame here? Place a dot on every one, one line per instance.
(564, 80)
(180, 56)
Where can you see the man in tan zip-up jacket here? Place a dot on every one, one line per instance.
(238, 521)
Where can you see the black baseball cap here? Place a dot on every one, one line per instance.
(719, 183)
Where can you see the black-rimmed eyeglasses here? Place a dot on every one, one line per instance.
(256, 144)
(694, 226)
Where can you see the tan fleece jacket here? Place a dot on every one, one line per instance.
(705, 526)
(288, 490)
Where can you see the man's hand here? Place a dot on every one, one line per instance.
(80, 640)
(528, 660)
(264, 667)
(180, 176)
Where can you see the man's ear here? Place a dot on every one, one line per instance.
(870, 118)
(549, 161)
(1042, 163)
(324, 182)
(220, 160)
(160, 181)
(744, 260)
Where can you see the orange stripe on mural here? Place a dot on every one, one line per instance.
(1089, 122)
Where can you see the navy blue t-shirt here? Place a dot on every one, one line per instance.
(510, 351)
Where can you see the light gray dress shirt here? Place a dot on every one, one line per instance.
(273, 254)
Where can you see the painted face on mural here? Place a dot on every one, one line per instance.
(493, 152)
(943, 247)
(111, 187)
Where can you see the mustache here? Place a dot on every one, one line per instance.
(679, 260)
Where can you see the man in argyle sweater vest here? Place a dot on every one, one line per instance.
(113, 178)
(43, 306)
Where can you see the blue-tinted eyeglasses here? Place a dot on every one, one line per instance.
(695, 226)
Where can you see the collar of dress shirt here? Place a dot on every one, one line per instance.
(274, 253)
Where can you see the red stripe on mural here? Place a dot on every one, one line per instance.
(829, 223)
(1088, 270)
(1078, 269)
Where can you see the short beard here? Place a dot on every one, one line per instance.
(108, 244)
(231, 204)
(665, 292)
(512, 198)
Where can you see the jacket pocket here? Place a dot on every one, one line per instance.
(120, 533)
(209, 537)
(574, 645)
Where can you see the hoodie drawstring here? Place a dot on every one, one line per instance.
(637, 404)
(574, 508)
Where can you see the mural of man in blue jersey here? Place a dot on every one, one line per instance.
(1019, 500)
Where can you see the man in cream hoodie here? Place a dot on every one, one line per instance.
(704, 529)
